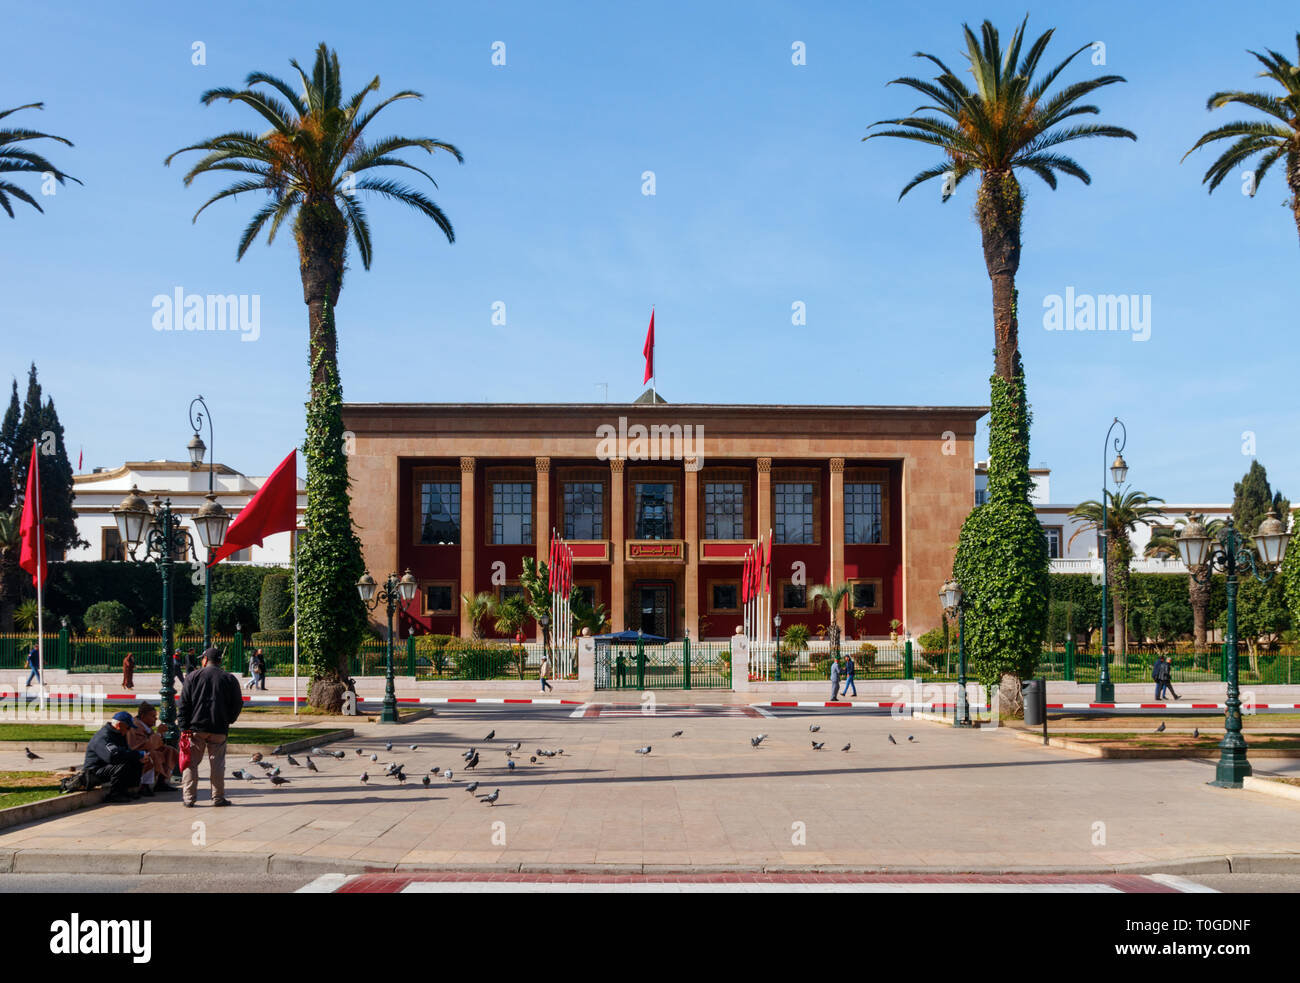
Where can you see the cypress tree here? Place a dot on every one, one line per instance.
(40, 423)
(1252, 498)
(8, 449)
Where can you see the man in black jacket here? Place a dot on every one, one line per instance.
(109, 761)
(211, 700)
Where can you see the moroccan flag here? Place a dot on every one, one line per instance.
(550, 564)
(31, 555)
(744, 580)
(767, 566)
(648, 350)
(81, 452)
(273, 509)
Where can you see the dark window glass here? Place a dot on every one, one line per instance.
(654, 511)
(512, 513)
(439, 512)
(1053, 543)
(507, 591)
(724, 510)
(437, 597)
(794, 512)
(584, 510)
(862, 513)
(588, 594)
(864, 596)
(794, 596)
(726, 597)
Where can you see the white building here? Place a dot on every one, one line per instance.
(102, 490)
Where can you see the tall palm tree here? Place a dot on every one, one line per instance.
(19, 160)
(1007, 123)
(1125, 511)
(832, 596)
(310, 164)
(1271, 139)
(1165, 544)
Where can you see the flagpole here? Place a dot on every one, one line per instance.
(294, 541)
(40, 583)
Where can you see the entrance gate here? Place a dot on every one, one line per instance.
(625, 665)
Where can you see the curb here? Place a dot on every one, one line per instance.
(325, 737)
(56, 805)
(1160, 753)
(1268, 787)
(50, 861)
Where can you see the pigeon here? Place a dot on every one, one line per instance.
(560, 751)
(891, 739)
(364, 778)
(374, 757)
(491, 734)
(1161, 728)
(910, 737)
(643, 750)
(1196, 732)
(818, 747)
(447, 774)
(471, 787)
(388, 746)
(491, 799)
(265, 765)
(541, 753)
(318, 751)
(425, 780)
(755, 741)
(274, 772)
(415, 747)
(507, 754)
(677, 733)
(277, 780)
(814, 728)
(293, 761)
(472, 763)
(257, 756)
(393, 768)
(532, 759)
(846, 747)
(469, 754)
(400, 776)
(32, 755)
(335, 754)
(516, 746)
(360, 752)
(510, 765)
(435, 770)
(279, 749)
(311, 765)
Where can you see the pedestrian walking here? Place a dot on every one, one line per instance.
(849, 669)
(835, 679)
(34, 665)
(545, 672)
(257, 671)
(1169, 677)
(178, 667)
(128, 671)
(210, 703)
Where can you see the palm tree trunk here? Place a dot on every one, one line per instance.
(322, 238)
(998, 208)
(1293, 182)
(1199, 596)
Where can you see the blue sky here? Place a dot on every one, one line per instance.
(765, 196)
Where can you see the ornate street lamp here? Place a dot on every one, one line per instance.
(1105, 691)
(776, 620)
(211, 519)
(396, 592)
(1228, 552)
(953, 598)
(163, 539)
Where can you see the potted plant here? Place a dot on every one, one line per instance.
(895, 626)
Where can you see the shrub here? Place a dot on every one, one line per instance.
(280, 636)
(275, 606)
(866, 655)
(934, 640)
(227, 610)
(478, 661)
(108, 618)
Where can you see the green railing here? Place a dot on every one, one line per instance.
(674, 665)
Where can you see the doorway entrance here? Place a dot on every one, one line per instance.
(655, 614)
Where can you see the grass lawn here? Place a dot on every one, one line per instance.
(20, 787)
(24, 733)
(1281, 742)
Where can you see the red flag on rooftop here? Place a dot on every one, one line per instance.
(31, 531)
(648, 350)
(273, 509)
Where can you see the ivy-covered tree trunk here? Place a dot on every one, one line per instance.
(1002, 561)
(998, 208)
(332, 618)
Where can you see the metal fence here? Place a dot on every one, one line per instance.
(672, 665)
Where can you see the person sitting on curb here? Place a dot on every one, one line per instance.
(161, 760)
(110, 760)
(211, 700)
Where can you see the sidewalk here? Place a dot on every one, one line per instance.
(947, 800)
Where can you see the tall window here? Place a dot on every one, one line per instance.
(794, 512)
(862, 513)
(724, 510)
(512, 512)
(112, 546)
(584, 510)
(1053, 534)
(439, 512)
(654, 510)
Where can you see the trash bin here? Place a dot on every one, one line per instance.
(1034, 692)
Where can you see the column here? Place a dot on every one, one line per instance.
(764, 496)
(837, 532)
(469, 533)
(542, 523)
(617, 589)
(690, 517)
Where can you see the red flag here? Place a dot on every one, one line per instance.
(767, 568)
(550, 563)
(31, 555)
(80, 453)
(744, 580)
(648, 350)
(273, 509)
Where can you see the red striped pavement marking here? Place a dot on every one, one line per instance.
(392, 883)
(671, 710)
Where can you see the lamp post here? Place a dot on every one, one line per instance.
(211, 519)
(953, 599)
(163, 539)
(1229, 553)
(393, 593)
(776, 620)
(1105, 692)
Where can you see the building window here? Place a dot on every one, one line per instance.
(981, 496)
(724, 596)
(863, 513)
(794, 512)
(439, 513)
(438, 597)
(506, 591)
(724, 510)
(654, 511)
(794, 597)
(865, 595)
(512, 513)
(112, 547)
(1053, 535)
(584, 510)
(588, 594)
